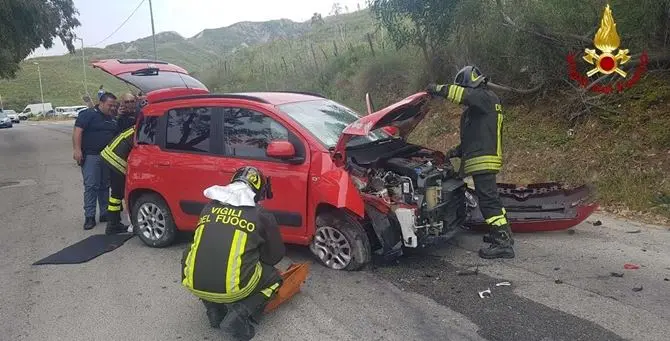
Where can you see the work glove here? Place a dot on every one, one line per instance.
(453, 153)
(436, 89)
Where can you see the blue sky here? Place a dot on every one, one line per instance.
(186, 17)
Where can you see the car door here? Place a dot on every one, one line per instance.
(247, 132)
(188, 163)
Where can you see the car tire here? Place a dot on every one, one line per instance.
(152, 221)
(340, 242)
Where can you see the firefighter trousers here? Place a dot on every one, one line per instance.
(489, 201)
(118, 187)
(241, 313)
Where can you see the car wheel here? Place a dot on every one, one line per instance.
(340, 242)
(152, 221)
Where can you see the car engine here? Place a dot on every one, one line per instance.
(414, 189)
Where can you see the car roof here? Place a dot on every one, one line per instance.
(280, 97)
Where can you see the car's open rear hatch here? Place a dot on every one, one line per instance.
(149, 75)
(541, 207)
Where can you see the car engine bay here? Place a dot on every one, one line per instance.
(416, 187)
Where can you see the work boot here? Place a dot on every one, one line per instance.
(89, 223)
(501, 245)
(215, 313)
(114, 225)
(103, 218)
(236, 323)
(488, 238)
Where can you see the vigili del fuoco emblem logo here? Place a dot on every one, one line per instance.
(607, 58)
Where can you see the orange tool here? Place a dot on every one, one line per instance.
(293, 278)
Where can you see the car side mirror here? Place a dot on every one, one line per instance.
(281, 149)
(391, 130)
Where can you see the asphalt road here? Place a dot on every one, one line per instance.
(561, 286)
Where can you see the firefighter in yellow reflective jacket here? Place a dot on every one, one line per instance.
(480, 151)
(115, 155)
(230, 265)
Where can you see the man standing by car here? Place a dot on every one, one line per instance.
(93, 130)
(115, 156)
(230, 265)
(480, 151)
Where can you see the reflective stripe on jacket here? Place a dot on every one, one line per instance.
(481, 129)
(116, 152)
(223, 264)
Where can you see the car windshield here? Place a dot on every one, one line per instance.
(2, 114)
(326, 120)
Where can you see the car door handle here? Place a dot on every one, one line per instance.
(163, 163)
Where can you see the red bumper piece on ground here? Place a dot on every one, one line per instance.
(541, 207)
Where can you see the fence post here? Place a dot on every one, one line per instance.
(335, 47)
(370, 42)
(324, 53)
(314, 55)
(284, 61)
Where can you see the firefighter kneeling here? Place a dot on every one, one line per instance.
(230, 265)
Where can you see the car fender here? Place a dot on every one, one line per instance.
(334, 187)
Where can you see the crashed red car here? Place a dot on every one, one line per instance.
(341, 183)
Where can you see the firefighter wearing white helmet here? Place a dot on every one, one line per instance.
(480, 151)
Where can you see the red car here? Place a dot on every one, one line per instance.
(341, 183)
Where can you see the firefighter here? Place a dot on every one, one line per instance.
(230, 265)
(115, 155)
(127, 111)
(480, 152)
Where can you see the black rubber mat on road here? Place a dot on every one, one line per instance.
(87, 249)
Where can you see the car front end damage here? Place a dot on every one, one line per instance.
(410, 201)
(413, 198)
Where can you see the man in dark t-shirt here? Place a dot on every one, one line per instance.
(93, 130)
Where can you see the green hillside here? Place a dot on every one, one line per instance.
(62, 76)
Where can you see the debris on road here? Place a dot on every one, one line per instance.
(503, 284)
(631, 266)
(558, 281)
(636, 289)
(597, 223)
(634, 231)
(485, 294)
(616, 274)
(468, 272)
(666, 279)
(557, 268)
(571, 232)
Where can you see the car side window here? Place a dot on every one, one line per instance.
(146, 134)
(248, 133)
(188, 129)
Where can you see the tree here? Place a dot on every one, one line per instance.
(422, 23)
(317, 19)
(337, 9)
(26, 25)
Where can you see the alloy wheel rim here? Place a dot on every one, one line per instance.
(331, 247)
(151, 221)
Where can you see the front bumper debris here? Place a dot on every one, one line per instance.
(540, 207)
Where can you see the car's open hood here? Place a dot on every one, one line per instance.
(148, 75)
(404, 115)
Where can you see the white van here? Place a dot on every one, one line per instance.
(72, 111)
(38, 109)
